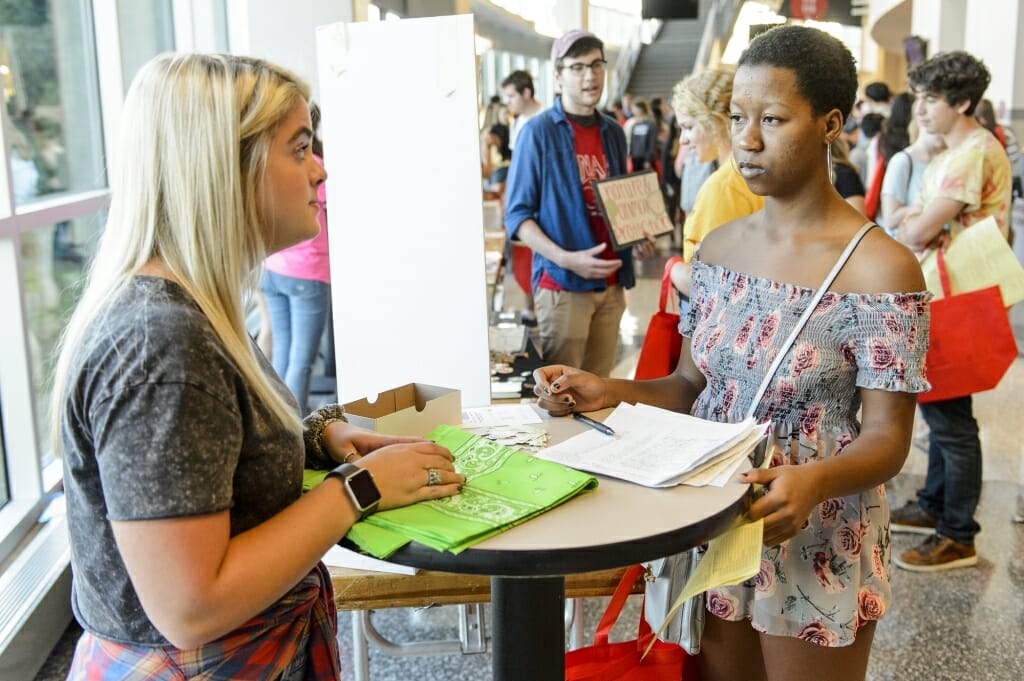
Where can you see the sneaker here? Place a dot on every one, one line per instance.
(937, 553)
(911, 518)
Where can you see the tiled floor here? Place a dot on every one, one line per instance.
(961, 625)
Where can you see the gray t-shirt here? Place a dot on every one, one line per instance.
(159, 423)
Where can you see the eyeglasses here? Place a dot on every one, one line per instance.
(596, 67)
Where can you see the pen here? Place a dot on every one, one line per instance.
(596, 425)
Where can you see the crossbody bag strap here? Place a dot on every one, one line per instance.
(808, 311)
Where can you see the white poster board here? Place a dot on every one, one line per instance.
(404, 205)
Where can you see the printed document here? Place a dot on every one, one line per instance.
(660, 448)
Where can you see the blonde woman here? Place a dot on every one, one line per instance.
(701, 103)
(194, 553)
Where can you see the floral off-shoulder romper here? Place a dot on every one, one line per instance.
(833, 576)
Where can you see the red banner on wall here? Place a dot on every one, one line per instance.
(808, 9)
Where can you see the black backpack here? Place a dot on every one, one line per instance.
(643, 140)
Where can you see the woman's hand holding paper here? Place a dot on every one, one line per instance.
(791, 493)
(561, 390)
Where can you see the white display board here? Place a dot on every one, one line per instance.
(404, 205)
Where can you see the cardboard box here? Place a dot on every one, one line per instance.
(412, 409)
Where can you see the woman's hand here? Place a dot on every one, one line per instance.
(403, 473)
(562, 390)
(791, 494)
(346, 443)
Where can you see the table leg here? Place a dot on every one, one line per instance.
(529, 628)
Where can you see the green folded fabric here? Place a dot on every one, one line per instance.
(384, 542)
(311, 478)
(504, 487)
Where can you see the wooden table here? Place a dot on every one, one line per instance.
(365, 590)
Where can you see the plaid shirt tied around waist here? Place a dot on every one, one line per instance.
(303, 623)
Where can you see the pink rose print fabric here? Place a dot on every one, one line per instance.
(824, 583)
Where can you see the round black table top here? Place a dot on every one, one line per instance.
(617, 524)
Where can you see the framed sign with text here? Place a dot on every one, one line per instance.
(633, 207)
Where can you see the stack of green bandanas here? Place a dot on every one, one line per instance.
(504, 487)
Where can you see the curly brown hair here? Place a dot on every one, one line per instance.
(957, 76)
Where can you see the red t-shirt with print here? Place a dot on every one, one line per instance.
(593, 166)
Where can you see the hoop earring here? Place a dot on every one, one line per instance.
(828, 160)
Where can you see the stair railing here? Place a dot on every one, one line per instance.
(720, 22)
(628, 56)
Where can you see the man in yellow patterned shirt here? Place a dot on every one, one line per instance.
(963, 185)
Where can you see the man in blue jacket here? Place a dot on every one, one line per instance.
(578, 280)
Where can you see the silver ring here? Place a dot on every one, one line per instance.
(433, 477)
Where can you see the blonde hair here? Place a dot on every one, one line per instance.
(705, 96)
(184, 185)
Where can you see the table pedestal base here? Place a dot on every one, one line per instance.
(527, 616)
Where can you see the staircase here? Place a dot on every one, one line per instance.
(667, 60)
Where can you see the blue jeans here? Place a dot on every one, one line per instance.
(952, 486)
(298, 314)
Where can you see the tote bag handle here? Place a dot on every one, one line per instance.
(666, 282)
(615, 605)
(940, 265)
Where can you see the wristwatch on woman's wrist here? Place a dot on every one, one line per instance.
(360, 487)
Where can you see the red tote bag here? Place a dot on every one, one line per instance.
(606, 661)
(970, 343)
(873, 197)
(659, 354)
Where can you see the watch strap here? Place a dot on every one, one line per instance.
(348, 470)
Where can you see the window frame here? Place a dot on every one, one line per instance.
(29, 483)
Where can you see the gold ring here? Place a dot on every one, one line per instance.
(433, 477)
(349, 456)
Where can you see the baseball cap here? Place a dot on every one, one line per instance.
(562, 45)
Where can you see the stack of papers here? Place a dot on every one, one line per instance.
(504, 488)
(660, 448)
(499, 415)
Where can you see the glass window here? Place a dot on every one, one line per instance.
(48, 75)
(5, 491)
(53, 268)
(146, 29)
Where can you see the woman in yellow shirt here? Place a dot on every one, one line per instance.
(701, 103)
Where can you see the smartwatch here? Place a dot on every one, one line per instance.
(360, 486)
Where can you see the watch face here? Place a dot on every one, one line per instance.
(364, 489)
